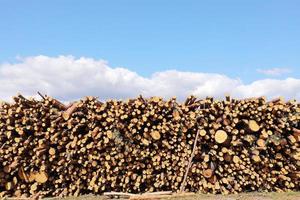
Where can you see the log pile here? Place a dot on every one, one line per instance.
(148, 145)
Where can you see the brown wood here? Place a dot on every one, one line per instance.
(207, 173)
(66, 114)
(145, 145)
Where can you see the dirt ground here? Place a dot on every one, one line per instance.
(242, 196)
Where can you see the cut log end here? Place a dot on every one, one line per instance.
(261, 143)
(256, 158)
(155, 135)
(221, 136)
(41, 177)
(253, 126)
(9, 186)
(207, 173)
(236, 159)
(176, 115)
(65, 116)
(52, 151)
(202, 132)
(145, 141)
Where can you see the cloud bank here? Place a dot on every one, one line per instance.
(68, 78)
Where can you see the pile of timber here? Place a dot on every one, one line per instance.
(148, 145)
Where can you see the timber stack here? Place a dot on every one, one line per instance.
(145, 145)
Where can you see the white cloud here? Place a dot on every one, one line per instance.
(68, 78)
(272, 88)
(277, 71)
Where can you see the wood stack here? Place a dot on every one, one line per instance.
(146, 145)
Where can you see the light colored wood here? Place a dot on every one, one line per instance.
(256, 158)
(8, 186)
(146, 144)
(109, 134)
(33, 188)
(236, 159)
(221, 136)
(31, 176)
(41, 177)
(156, 99)
(52, 151)
(253, 126)
(202, 132)
(155, 135)
(189, 162)
(261, 143)
(176, 115)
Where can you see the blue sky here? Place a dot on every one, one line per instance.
(230, 37)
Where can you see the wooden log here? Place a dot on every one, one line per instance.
(207, 173)
(66, 114)
(52, 151)
(155, 135)
(202, 132)
(253, 126)
(41, 177)
(221, 136)
(147, 144)
(58, 104)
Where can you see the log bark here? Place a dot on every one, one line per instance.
(146, 145)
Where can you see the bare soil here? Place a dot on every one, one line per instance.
(242, 196)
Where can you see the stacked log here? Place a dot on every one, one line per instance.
(147, 145)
